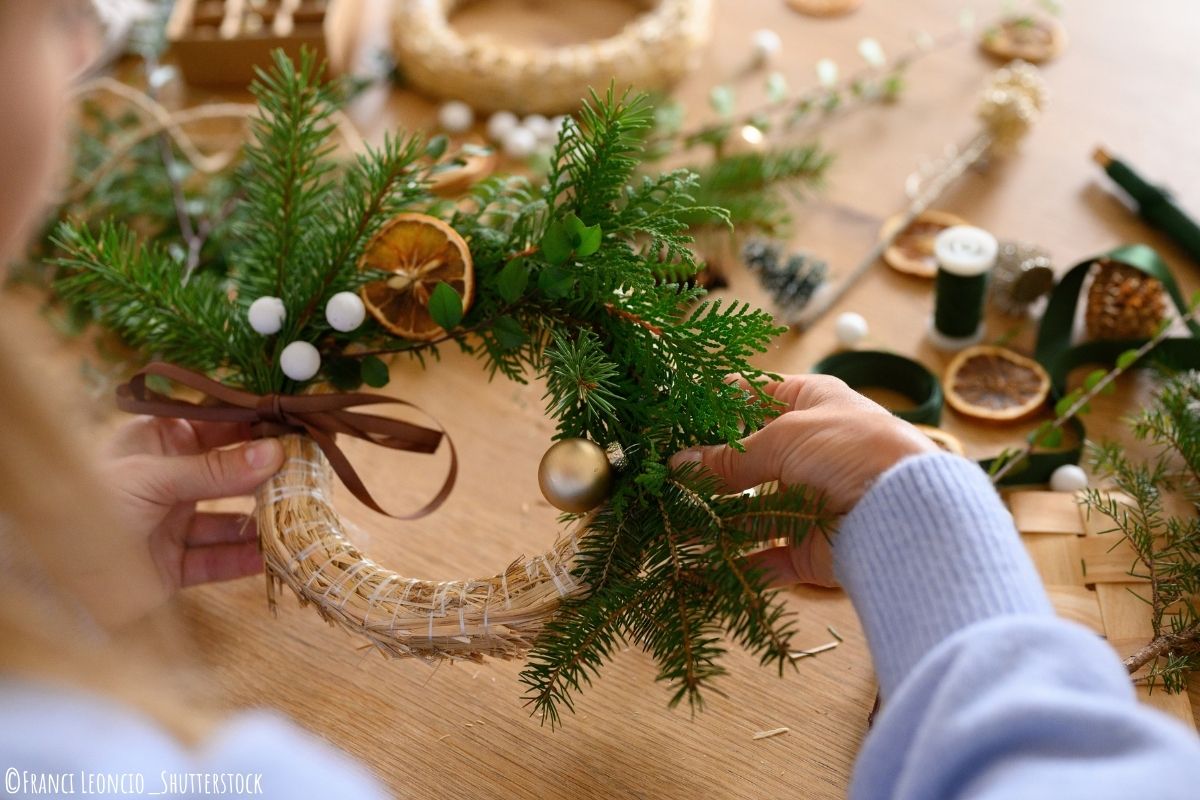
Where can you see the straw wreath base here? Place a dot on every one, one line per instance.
(305, 547)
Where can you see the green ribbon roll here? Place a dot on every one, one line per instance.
(862, 369)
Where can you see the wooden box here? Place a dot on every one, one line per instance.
(220, 42)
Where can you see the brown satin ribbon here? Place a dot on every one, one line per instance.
(320, 416)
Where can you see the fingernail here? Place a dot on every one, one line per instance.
(260, 454)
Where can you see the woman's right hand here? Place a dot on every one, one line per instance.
(828, 437)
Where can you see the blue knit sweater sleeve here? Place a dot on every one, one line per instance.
(986, 694)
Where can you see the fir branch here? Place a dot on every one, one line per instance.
(138, 292)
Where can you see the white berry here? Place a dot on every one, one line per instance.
(266, 315)
(455, 116)
(300, 361)
(872, 52)
(520, 142)
(499, 124)
(345, 311)
(850, 328)
(827, 72)
(766, 44)
(538, 125)
(1068, 478)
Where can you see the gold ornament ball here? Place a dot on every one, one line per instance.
(575, 475)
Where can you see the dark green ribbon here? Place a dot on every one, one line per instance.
(876, 368)
(1055, 352)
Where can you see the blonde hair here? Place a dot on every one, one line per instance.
(54, 520)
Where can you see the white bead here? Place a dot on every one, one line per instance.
(499, 124)
(300, 361)
(520, 142)
(345, 311)
(266, 315)
(850, 328)
(872, 52)
(455, 116)
(538, 125)
(766, 44)
(1068, 478)
(827, 72)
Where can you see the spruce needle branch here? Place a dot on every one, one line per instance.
(1187, 642)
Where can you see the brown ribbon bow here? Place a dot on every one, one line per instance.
(320, 416)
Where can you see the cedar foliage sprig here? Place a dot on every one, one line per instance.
(571, 286)
(1167, 546)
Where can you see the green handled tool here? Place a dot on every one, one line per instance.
(1154, 204)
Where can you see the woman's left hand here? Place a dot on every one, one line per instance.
(159, 468)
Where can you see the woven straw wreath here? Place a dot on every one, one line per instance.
(650, 53)
(305, 546)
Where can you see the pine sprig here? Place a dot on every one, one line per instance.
(139, 293)
(1167, 546)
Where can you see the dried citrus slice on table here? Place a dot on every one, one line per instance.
(945, 441)
(1033, 38)
(912, 250)
(420, 251)
(995, 385)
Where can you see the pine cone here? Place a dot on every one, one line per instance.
(791, 283)
(1123, 302)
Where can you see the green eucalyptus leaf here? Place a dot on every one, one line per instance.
(589, 241)
(1093, 379)
(375, 372)
(1127, 359)
(556, 243)
(445, 306)
(512, 280)
(436, 147)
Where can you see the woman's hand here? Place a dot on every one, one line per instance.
(829, 437)
(158, 468)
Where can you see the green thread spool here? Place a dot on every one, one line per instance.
(965, 257)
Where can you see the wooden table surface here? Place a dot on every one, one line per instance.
(1127, 79)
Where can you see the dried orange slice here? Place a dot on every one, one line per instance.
(474, 167)
(1029, 37)
(944, 440)
(995, 385)
(912, 251)
(420, 251)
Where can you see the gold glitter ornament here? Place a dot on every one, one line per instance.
(1011, 103)
(575, 475)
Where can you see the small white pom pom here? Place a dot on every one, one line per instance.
(345, 311)
(539, 126)
(827, 72)
(850, 328)
(455, 116)
(300, 361)
(520, 142)
(266, 315)
(1068, 478)
(499, 124)
(872, 52)
(767, 44)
